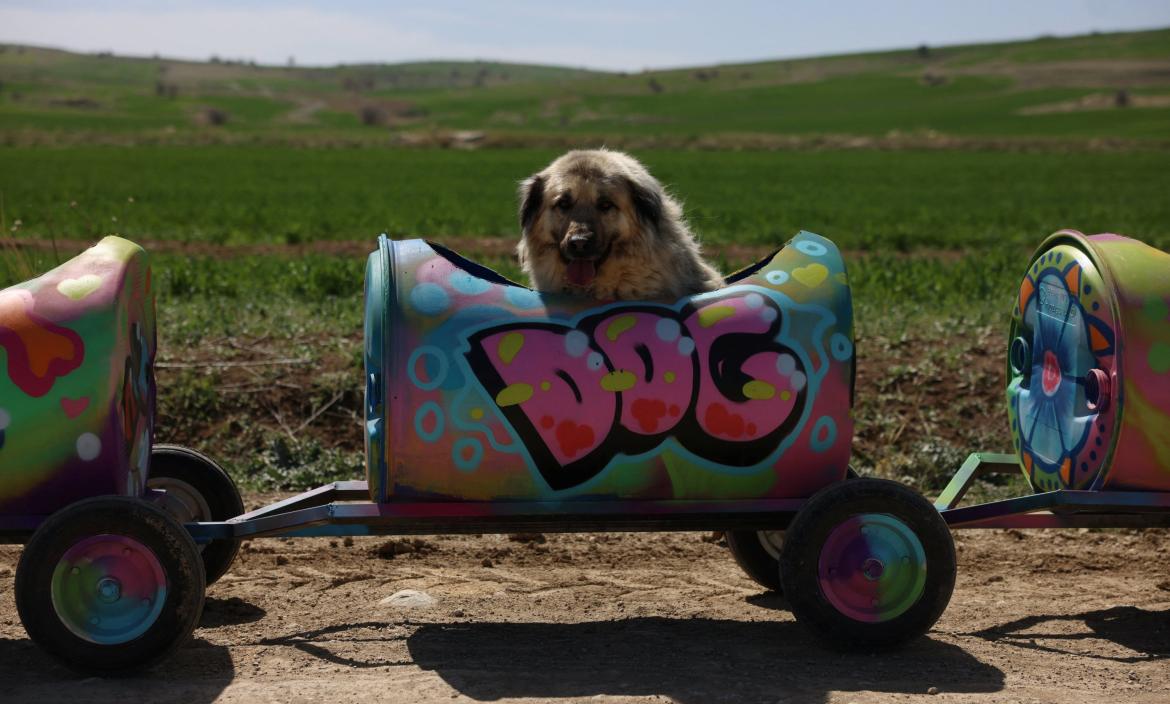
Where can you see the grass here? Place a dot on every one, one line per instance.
(864, 200)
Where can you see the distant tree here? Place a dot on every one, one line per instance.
(1121, 99)
(292, 61)
(215, 58)
(923, 51)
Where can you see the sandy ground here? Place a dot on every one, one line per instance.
(1037, 616)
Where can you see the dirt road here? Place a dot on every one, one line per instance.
(1037, 617)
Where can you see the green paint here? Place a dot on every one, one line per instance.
(510, 346)
(759, 390)
(1159, 357)
(620, 324)
(713, 314)
(619, 380)
(1155, 310)
(514, 394)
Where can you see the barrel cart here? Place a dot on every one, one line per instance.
(109, 579)
(491, 407)
(1088, 391)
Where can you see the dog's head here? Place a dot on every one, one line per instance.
(583, 211)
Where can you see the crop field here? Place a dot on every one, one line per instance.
(261, 189)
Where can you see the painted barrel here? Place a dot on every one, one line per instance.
(480, 389)
(1089, 365)
(77, 386)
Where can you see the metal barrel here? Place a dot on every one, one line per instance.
(480, 389)
(1089, 365)
(77, 389)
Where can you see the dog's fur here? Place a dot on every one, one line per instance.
(596, 223)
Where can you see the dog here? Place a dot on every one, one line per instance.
(595, 223)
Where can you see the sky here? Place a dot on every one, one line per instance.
(604, 34)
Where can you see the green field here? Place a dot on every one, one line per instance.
(937, 172)
(864, 200)
(1035, 90)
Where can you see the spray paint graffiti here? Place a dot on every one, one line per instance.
(76, 381)
(1061, 341)
(712, 376)
(1089, 372)
(480, 389)
(39, 351)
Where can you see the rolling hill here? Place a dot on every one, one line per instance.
(1093, 87)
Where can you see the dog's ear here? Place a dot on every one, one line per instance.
(647, 199)
(531, 197)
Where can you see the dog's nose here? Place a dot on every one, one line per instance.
(580, 244)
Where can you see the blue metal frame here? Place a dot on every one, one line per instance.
(344, 508)
(1064, 508)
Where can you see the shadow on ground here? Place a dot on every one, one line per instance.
(197, 673)
(232, 611)
(695, 660)
(1146, 633)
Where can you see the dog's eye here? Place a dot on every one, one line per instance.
(604, 205)
(564, 202)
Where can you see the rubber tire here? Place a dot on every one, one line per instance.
(119, 515)
(754, 559)
(801, 555)
(217, 489)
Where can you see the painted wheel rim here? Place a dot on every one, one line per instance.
(108, 589)
(772, 541)
(872, 568)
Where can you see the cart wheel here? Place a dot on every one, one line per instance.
(109, 585)
(868, 563)
(197, 489)
(757, 552)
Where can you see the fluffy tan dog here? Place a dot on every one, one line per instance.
(596, 223)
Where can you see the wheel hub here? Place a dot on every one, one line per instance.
(872, 567)
(108, 589)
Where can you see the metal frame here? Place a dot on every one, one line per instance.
(1065, 508)
(344, 508)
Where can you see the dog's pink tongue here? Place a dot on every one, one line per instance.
(581, 272)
